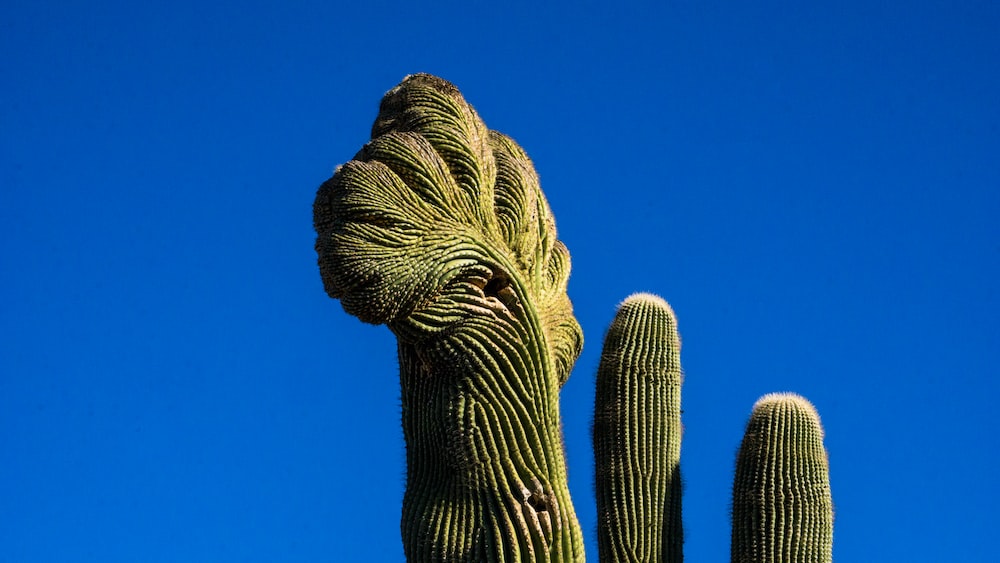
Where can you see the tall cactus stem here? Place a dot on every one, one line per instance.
(438, 228)
(637, 435)
(782, 506)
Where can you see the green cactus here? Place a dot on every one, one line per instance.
(438, 229)
(637, 435)
(782, 508)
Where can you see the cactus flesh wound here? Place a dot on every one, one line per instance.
(439, 229)
(637, 435)
(782, 508)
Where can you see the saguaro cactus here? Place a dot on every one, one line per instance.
(438, 229)
(782, 508)
(637, 435)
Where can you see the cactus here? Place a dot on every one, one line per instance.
(637, 435)
(438, 228)
(782, 508)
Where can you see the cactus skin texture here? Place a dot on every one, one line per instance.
(637, 435)
(782, 507)
(438, 228)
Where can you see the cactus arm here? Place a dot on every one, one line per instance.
(782, 507)
(438, 229)
(637, 435)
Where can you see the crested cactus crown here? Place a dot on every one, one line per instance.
(438, 219)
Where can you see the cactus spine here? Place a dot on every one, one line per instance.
(637, 435)
(438, 229)
(782, 508)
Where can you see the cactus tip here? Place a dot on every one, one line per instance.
(646, 298)
(789, 400)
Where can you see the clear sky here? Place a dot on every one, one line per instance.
(815, 188)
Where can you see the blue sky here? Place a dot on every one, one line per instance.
(814, 188)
